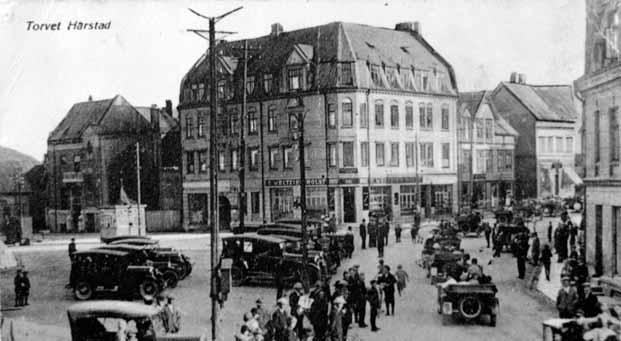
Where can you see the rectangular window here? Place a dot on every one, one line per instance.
(189, 162)
(295, 79)
(331, 116)
(234, 160)
(422, 116)
(379, 115)
(250, 85)
(394, 154)
(614, 135)
(488, 161)
(429, 117)
(221, 87)
(364, 116)
(446, 155)
(234, 124)
(409, 116)
(268, 83)
(202, 161)
(479, 123)
(271, 119)
(364, 154)
(253, 156)
(379, 153)
(596, 133)
(376, 76)
(273, 155)
(445, 117)
(550, 144)
(221, 161)
(348, 154)
(540, 144)
(200, 96)
(426, 154)
(410, 154)
(346, 74)
(348, 115)
(489, 127)
(332, 154)
(252, 121)
(189, 127)
(569, 144)
(394, 116)
(287, 157)
(293, 122)
(195, 93)
(500, 161)
(255, 202)
(201, 126)
(509, 160)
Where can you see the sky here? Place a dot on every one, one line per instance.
(147, 49)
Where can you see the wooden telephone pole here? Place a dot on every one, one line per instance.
(213, 191)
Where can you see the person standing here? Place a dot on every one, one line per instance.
(72, 248)
(521, 251)
(172, 316)
(385, 230)
(402, 278)
(318, 314)
(336, 320)
(487, 230)
(566, 300)
(296, 310)
(279, 279)
(588, 304)
(388, 283)
(361, 300)
(263, 315)
(363, 233)
(535, 248)
(398, 233)
(17, 288)
(279, 321)
(546, 259)
(374, 303)
(23, 287)
(550, 232)
(380, 244)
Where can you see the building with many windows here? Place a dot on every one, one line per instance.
(485, 152)
(379, 122)
(547, 119)
(599, 87)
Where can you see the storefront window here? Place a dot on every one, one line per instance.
(282, 203)
(197, 204)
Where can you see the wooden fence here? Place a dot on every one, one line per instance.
(163, 221)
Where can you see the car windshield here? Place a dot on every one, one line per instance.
(113, 328)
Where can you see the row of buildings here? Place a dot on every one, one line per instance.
(385, 127)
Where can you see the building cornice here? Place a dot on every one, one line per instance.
(599, 78)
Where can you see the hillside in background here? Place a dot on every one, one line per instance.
(13, 162)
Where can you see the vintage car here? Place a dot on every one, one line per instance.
(113, 272)
(467, 301)
(316, 224)
(248, 227)
(558, 329)
(437, 263)
(466, 223)
(258, 258)
(164, 254)
(136, 241)
(292, 230)
(105, 320)
(107, 240)
(171, 272)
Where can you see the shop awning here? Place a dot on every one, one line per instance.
(571, 173)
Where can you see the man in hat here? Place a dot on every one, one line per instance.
(588, 305)
(360, 300)
(172, 316)
(296, 310)
(337, 329)
(363, 233)
(380, 244)
(279, 320)
(318, 314)
(567, 299)
(374, 303)
(17, 288)
(264, 316)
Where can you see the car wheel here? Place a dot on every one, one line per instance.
(237, 276)
(470, 307)
(171, 279)
(83, 291)
(148, 289)
(492, 320)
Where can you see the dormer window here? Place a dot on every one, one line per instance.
(346, 74)
(250, 85)
(201, 92)
(295, 79)
(376, 76)
(268, 83)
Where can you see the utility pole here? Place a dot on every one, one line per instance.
(241, 196)
(470, 164)
(213, 195)
(138, 182)
(303, 201)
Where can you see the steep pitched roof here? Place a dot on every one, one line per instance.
(109, 115)
(546, 102)
(470, 101)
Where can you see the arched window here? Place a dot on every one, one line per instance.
(347, 112)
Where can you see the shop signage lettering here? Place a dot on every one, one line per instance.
(348, 170)
(396, 180)
(479, 176)
(293, 182)
(350, 181)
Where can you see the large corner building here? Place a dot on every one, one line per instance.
(380, 124)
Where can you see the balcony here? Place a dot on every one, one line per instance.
(72, 177)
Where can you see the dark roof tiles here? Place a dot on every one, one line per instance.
(546, 102)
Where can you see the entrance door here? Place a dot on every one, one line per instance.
(349, 204)
(598, 241)
(90, 222)
(224, 212)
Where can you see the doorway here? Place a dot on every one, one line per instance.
(349, 204)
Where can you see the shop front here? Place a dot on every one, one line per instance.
(285, 193)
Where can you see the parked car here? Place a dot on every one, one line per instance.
(112, 271)
(136, 241)
(115, 238)
(317, 224)
(100, 320)
(467, 301)
(171, 272)
(248, 227)
(257, 258)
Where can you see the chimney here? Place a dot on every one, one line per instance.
(276, 30)
(409, 26)
(514, 77)
(155, 118)
(522, 78)
(169, 107)
(90, 98)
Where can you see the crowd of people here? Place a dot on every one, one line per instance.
(168, 319)
(329, 312)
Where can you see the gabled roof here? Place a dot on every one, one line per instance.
(114, 115)
(546, 102)
(470, 101)
(502, 127)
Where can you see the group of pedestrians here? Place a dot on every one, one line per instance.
(330, 312)
(377, 232)
(21, 283)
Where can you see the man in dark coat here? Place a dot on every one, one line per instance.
(566, 300)
(374, 303)
(279, 321)
(279, 279)
(520, 252)
(550, 232)
(22, 288)
(72, 248)
(380, 245)
(487, 230)
(588, 305)
(294, 303)
(385, 230)
(17, 288)
(318, 314)
(363, 233)
(388, 283)
(535, 249)
(372, 232)
(361, 300)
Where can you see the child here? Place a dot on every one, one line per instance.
(402, 278)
